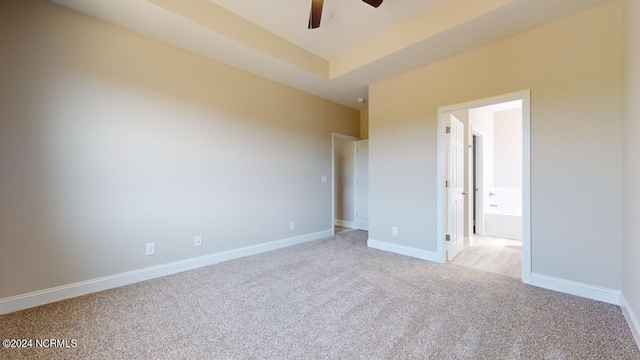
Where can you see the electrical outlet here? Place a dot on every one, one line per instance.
(292, 226)
(197, 241)
(150, 249)
(324, 178)
(394, 231)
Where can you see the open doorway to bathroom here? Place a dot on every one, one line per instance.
(485, 200)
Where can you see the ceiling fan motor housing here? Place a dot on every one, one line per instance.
(315, 14)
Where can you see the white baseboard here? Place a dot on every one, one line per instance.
(404, 250)
(41, 297)
(504, 235)
(632, 319)
(345, 223)
(576, 288)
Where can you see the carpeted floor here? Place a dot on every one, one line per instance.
(327, 299)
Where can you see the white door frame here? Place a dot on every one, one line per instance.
(333, 176)
(360, 159)
(479, 170)
(525, 96)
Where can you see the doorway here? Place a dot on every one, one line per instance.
(480, 198)
(477, 183)
(343, 196)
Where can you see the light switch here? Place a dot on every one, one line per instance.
(324, 178)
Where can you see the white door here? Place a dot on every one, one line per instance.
(362, 185)
(455, 189)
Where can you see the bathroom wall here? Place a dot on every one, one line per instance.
(507, 163)
(507, 146)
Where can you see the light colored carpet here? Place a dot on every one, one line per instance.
(327, 299)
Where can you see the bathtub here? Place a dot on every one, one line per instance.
(504, 226)
(503, 215)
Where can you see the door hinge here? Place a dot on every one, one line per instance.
(447, 183)
(447, 237)
(448, 130)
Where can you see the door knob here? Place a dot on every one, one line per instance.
(464, 193)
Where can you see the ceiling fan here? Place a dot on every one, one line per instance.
(316, 11)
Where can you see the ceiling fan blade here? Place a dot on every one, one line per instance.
(315, 14)
(374, 3)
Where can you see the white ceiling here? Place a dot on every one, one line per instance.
(345, 23)
(353, 23)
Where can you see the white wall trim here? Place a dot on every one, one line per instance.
(403, 250)
(503, 235)
(525, 96)
(479, 182)
(345, 223)
(358, 194)
(576, 288)
(41, 297)
(632, 319)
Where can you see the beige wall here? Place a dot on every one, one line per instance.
(110, 140)
(345, 162)
(364, 124)
(631, 131)
(573, 68)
